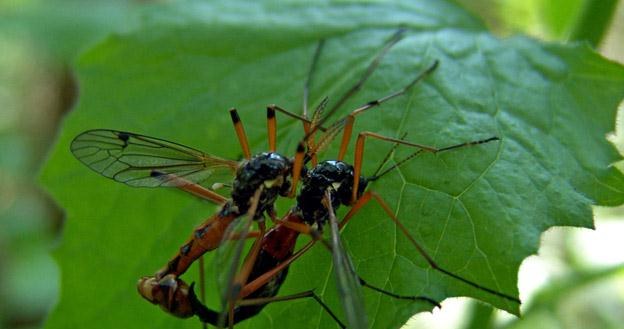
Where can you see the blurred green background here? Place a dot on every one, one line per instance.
(577, 281)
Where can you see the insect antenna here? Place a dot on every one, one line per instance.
(316, 117)
(396, 37)
(387, 157)
(376, 176)
(345, 124)
(318, 112)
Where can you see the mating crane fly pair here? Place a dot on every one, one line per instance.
(252, 282)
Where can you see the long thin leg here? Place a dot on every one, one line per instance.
(378, 175)
(306, 94)
(240, 133)
(359, 152)
(190, 187)
(298, 227)
(304, 294)
(303, 119)
(207, 315)
(348, 123)
(271, 128)
(311, 143)
(250, 259)
(347, 278)
(396, 296)
(248, 235)
(307, 123)
(260, 281)
(297, 166)
(310, 127)
(264, 278)
(367, 196)
(308, 82)
(369, 71)
(388, 154)
(365, 284)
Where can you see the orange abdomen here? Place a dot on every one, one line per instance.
(206, 237)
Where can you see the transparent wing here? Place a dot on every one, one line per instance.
(144, 161)
(347, 280)
(229, 258)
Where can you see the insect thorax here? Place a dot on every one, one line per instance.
(270, 170)
(337, 176)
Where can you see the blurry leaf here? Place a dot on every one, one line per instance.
(66, 27)
(563, 288)
(478, 211)
(480, 316)
(578, 20)
(583, 299)
(594, 21)
(30, 291)
(558, 17)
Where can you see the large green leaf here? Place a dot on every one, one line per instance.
(478, 211)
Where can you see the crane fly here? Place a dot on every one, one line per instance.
(139, 160)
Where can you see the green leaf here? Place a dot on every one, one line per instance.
(478, 211)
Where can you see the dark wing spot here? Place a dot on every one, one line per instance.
(156, 173)
(123, 137)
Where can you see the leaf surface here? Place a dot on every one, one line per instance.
(477, 211)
